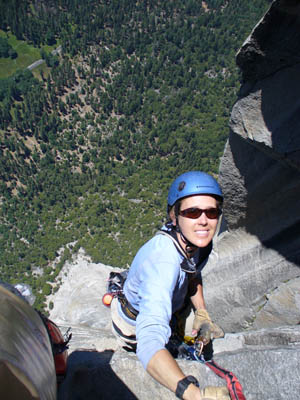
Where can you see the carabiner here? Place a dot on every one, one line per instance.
(198, 347)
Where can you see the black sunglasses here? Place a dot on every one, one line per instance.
(194, 213)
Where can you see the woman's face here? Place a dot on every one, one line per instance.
(199, 231)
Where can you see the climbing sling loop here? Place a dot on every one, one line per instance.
(233, 385)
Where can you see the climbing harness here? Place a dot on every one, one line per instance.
(114, 288)
(115, 285)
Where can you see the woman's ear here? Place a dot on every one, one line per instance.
(172, 216)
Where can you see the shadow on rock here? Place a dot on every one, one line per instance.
(90, 377)
(267, 163)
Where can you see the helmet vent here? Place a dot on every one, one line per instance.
(181, 186)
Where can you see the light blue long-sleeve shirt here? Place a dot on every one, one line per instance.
(156, 287)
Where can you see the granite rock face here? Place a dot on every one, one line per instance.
(79, 299)
(260, 176)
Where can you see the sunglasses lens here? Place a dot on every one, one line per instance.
(212, 213)
(194, 213)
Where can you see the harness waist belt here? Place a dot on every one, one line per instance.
(127, 308)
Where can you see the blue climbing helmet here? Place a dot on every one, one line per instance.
(192, 183)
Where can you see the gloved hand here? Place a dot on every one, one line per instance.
(215, 393)
(204, 327)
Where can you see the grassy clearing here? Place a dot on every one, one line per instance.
(41, 68)
(27, 54)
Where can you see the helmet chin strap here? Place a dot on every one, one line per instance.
(189, 247)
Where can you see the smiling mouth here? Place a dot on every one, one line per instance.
(201, 233)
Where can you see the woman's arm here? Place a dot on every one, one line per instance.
(196, 293)
(164, 369)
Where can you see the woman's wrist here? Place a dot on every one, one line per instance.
(192, 393)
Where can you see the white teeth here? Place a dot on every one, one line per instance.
(202, 233)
